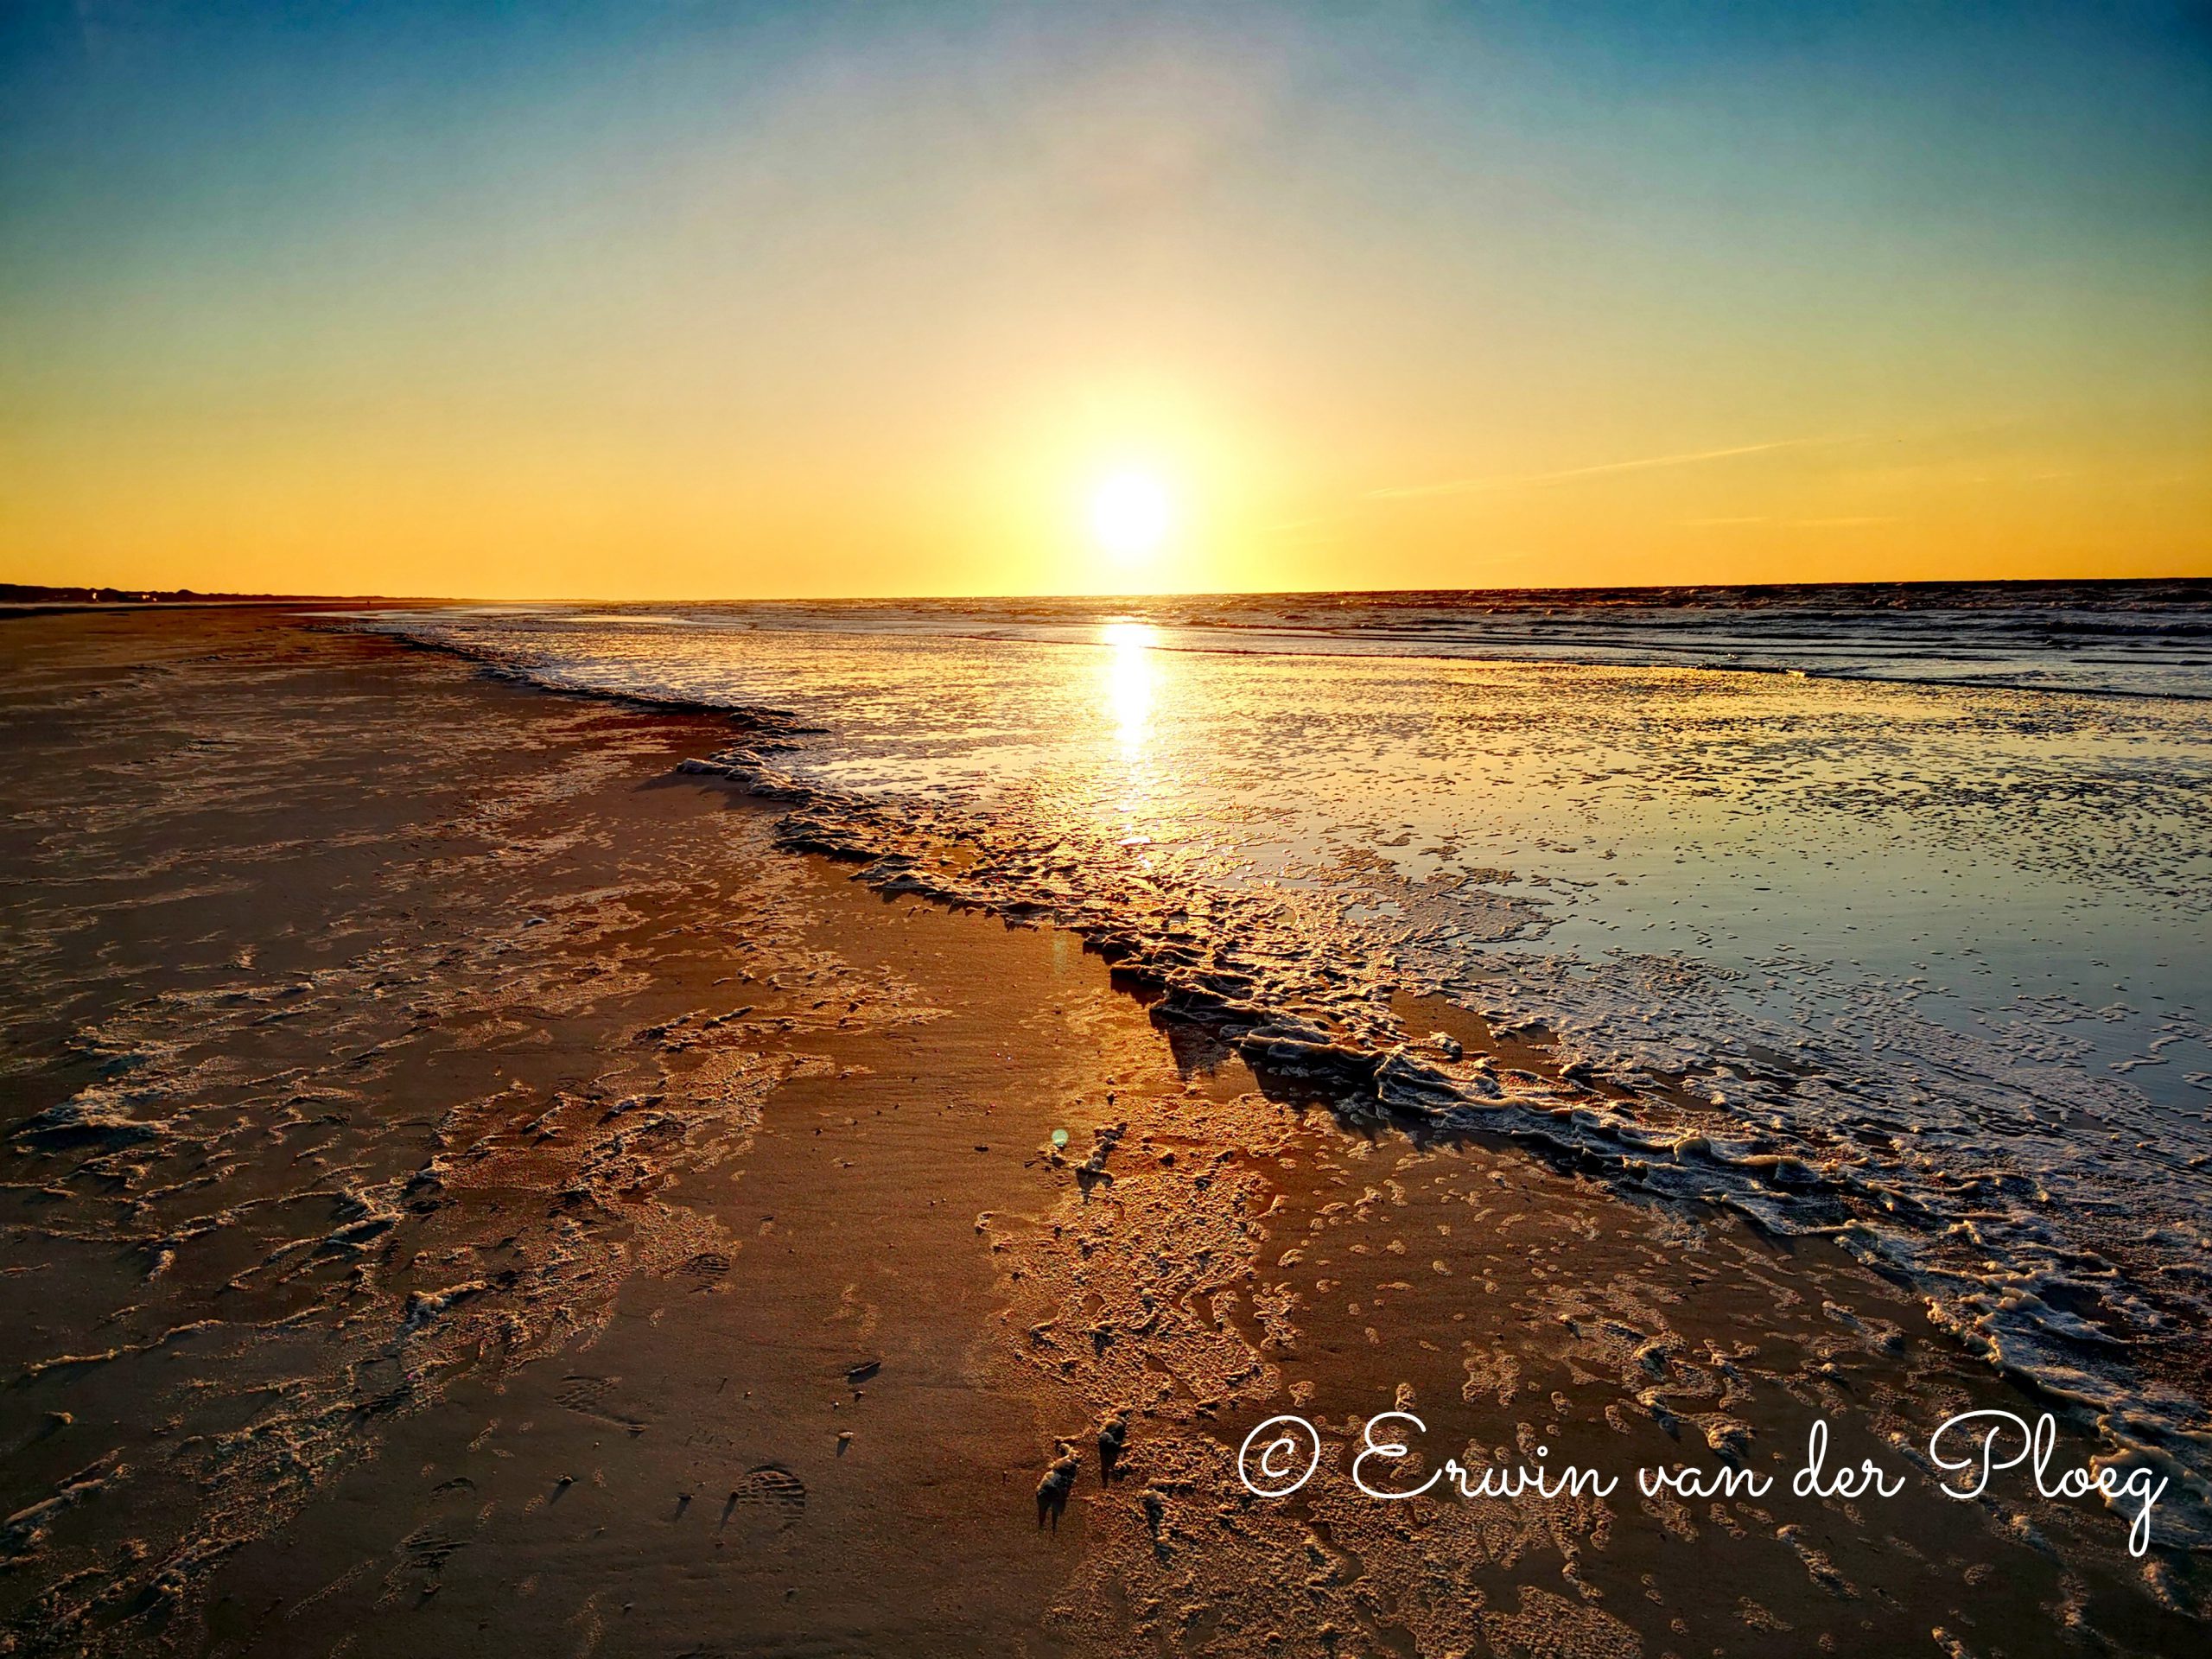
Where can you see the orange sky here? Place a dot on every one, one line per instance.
(832, 302)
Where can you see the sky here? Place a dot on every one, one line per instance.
(674, 298)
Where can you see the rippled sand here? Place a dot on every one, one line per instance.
(469, 1190)
(1915, 968)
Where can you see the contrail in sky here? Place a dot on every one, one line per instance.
(1464, 486)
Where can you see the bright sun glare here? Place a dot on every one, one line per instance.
(1130, 514)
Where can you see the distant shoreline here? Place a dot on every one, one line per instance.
(63, 601)
(27, 598)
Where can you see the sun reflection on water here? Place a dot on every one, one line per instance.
(1127, 687)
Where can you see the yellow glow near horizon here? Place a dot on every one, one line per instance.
(869, 303)
(1130, 515)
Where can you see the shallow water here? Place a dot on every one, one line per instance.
(2116, 638)
(1858, 949)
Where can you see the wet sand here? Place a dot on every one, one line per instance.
(468, 1191)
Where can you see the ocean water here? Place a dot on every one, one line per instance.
(1877, 914)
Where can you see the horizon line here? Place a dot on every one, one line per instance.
(48, 595)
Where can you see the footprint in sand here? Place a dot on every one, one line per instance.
(595, 1397)
(419, 1572)
(857, 1311)
(704, 1270)
(771, 1495)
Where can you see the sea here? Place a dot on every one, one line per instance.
(1880, 915)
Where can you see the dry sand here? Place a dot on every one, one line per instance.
(468, 1192)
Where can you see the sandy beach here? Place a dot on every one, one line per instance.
(470, 1190)
(1260, 829)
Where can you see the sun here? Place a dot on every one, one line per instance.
(1130, 513)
